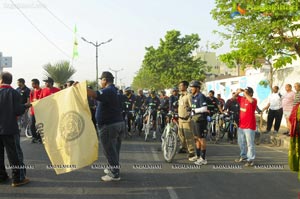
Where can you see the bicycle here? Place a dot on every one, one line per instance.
(213, 127)
(169, 137)
(149, 122)
(159, 122)
(139, 121)
(228, 126)
(24, 123)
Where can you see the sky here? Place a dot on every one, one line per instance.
(131, 24)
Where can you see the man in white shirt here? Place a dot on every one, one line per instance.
(287, 104)
(275, 110)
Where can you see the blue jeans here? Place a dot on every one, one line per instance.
(111, 138)
(246, 142)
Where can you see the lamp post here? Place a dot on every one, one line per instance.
(116, 74)
(96, 45)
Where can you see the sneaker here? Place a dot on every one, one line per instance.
(108, 178)
(240, 159)
(107, 171)
(201, 161)
(192, 157)
(286, 133)
(249, 164)
(20, 183)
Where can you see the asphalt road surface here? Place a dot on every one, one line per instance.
(145, 174)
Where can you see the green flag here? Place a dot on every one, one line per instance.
(75, 46)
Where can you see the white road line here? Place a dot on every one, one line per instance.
(155, 156)
(276, 150)
(172, 193)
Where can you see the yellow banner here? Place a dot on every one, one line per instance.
(68, 133)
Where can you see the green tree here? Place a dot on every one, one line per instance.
(60, 72)
(171, 62)
(264, 34)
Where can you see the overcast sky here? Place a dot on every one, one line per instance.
(132, 25)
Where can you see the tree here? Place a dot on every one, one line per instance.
(264, 33)
(60, 72)
(171, 62)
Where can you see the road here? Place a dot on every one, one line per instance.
(144, 174)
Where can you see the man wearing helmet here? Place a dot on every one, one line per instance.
(164, 106)
(129, 106)
(154, 102)
(199, 122)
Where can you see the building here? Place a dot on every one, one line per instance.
(5, 62)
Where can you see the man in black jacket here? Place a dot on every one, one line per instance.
(11, 107)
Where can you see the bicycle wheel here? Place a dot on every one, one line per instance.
(158, 125)
(28, 133)
(169, 148)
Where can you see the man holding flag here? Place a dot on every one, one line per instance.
(110, 123)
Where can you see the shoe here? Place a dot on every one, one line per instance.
(20, 183)
(182, 150)
(286, 133)
(266, 132)
(34, 140)
(107, 171)
(240, 159)
(201, 161)
(193, 159)
(249, 164)
(108, 178)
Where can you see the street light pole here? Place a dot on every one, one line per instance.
(96, 45)
(116, 74)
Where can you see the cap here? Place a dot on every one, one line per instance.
(195, 83)
(127, 89)
(49, 80)
(106, 74)
(249, 89)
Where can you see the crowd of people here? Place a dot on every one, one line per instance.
(110, 107)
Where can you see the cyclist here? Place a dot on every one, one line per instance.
(154, 102)
(164, 106)
(221, 100)
(232, 107)
(129, 107)
(173, 100)
(139, 109)
(213, 106)
(199, 121)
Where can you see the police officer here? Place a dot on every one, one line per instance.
(110, 123)
(199, 121)
(184, 130)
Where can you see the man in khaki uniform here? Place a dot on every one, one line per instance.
(184, 109)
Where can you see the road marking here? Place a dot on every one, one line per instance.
(155, 156)
(172, 193)
(276, 149)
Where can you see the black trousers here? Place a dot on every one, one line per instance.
(33, 129)
(277, 115)
(8, 142)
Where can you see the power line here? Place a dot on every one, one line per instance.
(31, 22)
(56, 17)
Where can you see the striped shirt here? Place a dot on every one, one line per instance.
(297, 98)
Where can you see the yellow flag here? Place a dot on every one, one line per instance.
(68, 134)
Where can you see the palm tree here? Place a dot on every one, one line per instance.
(60, 72)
